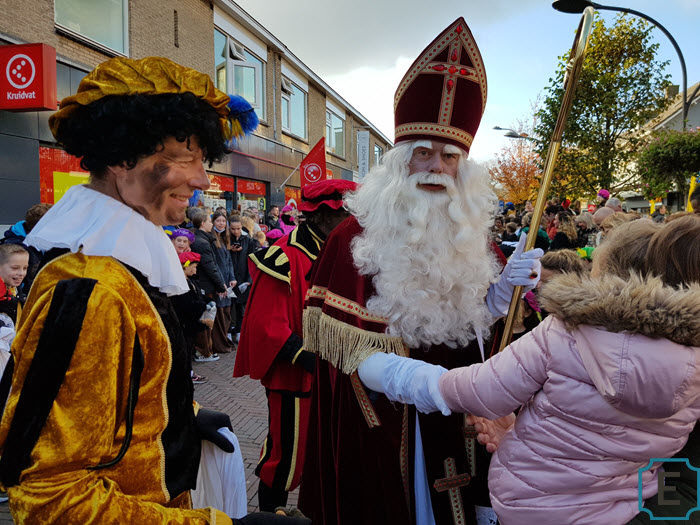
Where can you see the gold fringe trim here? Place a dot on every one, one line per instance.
(342, 345)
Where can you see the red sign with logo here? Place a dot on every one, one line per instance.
(591, 208)
(313, 167)
(251, 187)
(28, 77)
(220, 183)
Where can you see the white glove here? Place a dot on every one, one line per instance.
(405, 380)
(523, 269)
(243, 287)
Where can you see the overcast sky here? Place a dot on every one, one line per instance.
(362, 48)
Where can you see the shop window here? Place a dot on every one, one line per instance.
(252, 194)
(239, 72)
(293, 109)
(103, 23)
(378, 152)
(335, 133)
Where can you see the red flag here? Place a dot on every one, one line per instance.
(313, 167)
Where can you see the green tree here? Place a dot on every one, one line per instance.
(622, 86)
(669, 160)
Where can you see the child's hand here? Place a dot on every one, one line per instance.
(491, 432)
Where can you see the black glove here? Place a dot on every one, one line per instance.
(290, 353)
(209, 422)
(307, 360)
(267, 518)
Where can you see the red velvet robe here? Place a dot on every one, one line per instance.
(360, 448)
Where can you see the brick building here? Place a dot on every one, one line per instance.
(296, 107)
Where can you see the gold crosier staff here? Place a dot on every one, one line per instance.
(578, 52)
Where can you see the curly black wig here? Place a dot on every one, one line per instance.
(122, 129)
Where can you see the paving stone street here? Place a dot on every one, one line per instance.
(244, 401)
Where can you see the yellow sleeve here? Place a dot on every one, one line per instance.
(86, 427)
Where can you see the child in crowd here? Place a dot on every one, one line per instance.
(7, 326)
(273, 236)
(610, 380)
(14, 261)
(509, 233)
(261, 239)
(560, 261)
(192, 309)
(182, 239)
(528, 316)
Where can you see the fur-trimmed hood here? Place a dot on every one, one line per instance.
(638, 340)
(637, 305)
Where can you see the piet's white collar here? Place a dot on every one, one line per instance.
(103, 226)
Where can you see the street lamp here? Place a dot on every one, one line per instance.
(512, 134)
(577, 6)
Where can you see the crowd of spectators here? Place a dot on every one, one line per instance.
(569, 237)
(213, 247)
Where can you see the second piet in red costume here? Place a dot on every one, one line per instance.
(271, 345)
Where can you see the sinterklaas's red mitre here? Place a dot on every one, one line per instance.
(443, 94)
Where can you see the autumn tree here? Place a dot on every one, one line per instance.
(622, 86)
(516, 170)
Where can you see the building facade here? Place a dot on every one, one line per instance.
(295, 106)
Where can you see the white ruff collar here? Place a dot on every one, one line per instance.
(105, 227)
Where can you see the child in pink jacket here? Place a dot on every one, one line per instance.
(610, 380)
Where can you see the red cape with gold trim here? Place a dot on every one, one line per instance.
(274, 311)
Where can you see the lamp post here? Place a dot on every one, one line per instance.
(512, 134)
(577, 6)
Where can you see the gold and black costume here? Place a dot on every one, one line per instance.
(99, 426)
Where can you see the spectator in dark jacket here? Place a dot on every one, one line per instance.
(542, 240)
(222, 244)
(586, 227)
(210, 280)
(191, 307)
(241, 247)
(566, 237)
(273, 218)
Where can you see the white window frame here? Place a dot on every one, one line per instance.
(286, 93)
(331, 145)
(286, 97)
(94, 43)
(377, 158)
(237, 58)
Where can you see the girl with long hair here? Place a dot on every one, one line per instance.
(566, 237)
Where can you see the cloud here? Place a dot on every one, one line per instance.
(334, 37)
(371, 91)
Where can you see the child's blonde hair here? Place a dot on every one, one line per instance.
(260, 237)
(8, 249)
(567, 261)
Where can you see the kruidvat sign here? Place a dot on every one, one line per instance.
(27, 77)
(677, 496)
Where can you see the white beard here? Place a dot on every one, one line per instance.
(428, 252)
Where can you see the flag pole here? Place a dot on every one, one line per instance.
(290, 176)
